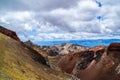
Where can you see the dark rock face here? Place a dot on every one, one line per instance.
(36, 56)
(9, 33)
(114, 47)
(114, 50)
(30, 44)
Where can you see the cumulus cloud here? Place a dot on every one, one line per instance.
(74, 18)
(61, 19)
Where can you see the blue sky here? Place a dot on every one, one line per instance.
(39, 20)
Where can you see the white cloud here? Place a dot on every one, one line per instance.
(53, 21)
(69, 36)
(17, 20)
(17, 15)
(76, 18)
(27, 27)
(26, 21)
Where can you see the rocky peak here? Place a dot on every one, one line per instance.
(114, 49)
(9, 33)
(67, 48)
(29, 43)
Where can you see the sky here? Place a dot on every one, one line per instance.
(44, 20)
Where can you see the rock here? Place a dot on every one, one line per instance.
(114, 47)
(118, 69)
(114, 50)
(9, 33)
(98, 51)
(29, 43)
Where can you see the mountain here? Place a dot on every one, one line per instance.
(86, 42)
(98, 63)
(28, 61)
(20, 62)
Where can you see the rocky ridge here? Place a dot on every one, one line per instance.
(9, 33)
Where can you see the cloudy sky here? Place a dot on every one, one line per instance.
(39, 20)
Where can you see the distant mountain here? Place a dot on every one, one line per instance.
(88, 43)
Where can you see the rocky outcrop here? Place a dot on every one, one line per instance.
(30, 44)
(114, 50)
(9, 33)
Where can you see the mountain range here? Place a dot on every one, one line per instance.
(86, 42)
(64, 61)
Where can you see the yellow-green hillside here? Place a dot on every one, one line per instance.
(17, 63)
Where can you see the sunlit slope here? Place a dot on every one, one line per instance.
(17, 63)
